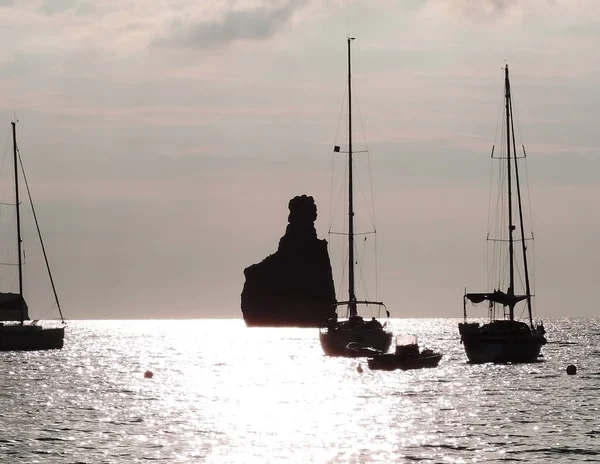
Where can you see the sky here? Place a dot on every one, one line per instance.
(163, 140)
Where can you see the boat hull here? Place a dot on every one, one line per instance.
(31, 338)
(391, 362)
(493, 343)
(335, 342)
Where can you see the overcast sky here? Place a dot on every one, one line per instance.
(163, 141)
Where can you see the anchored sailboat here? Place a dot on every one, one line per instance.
(13, 308)
(504, 338)
(353, 329)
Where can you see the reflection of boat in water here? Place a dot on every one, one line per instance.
(504, 338)
(338, 334)
(407, 356)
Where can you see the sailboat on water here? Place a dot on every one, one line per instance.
(369, 336)
(15, 334)
(505, 338)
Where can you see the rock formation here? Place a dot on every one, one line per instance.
(294, 286)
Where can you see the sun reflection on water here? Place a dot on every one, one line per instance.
(221, 392)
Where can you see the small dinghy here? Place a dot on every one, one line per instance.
(358, 350)
(407, 356)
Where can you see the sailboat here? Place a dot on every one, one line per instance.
(15, 334)
(505, 338)
(371, 336)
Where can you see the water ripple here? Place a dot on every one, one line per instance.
(224, 393)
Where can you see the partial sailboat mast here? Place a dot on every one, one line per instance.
(351, 293)
(511, 227)
(521, 223)
(17, 205)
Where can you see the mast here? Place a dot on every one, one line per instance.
(511, 227)
(351, 294)
(20, 265)
(521, 224)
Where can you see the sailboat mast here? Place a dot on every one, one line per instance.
(521, 224)
(351, 294)
(20, 265)
(511, 227)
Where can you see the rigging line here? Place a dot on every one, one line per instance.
(533, 273)
(334, 204)
(357, 106)
(500, 197)
(520, 133)
(499, 225)
(500, 120)
(372, 192)
(503, 223)
(342, 284)
(503, 263)
(522, 311)
(37, 225)
(376, 270)
(357, 178)
(342, 193)
(505, 240)
(342, 107)
(3, 163)
(331, 191)
(520, 275)
(491, 186)
(361, 268)
(487, 248)
(342, 278)
(373, 232)
(337, 132)
(530, 212)
(364, 132)
(48, 311)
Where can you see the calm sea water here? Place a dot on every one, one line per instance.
(222, 392)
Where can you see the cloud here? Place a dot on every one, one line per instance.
(57, 6)
(492, 9)
(249, 24)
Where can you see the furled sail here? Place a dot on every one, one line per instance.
(11, 305)
(497, 296)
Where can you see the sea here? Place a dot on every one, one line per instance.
(215, 391)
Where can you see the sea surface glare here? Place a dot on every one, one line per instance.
(221, 392)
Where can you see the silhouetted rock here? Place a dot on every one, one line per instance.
(294, 286)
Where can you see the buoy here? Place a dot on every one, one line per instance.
(148, 374)
(571, 369)
(359, 369)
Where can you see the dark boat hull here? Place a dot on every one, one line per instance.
(31, 338)
(335, 342)
(391, 362)
(501, 342)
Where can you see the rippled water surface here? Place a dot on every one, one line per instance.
(222, 392)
